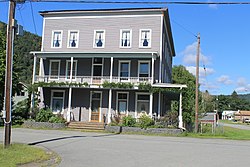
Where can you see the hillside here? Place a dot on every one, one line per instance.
(245, 96)
(23, 60)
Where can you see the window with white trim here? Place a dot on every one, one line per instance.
(74, 70)
(145, 38)
(143, 103)
(124, 70)
(73, 39)
(54, 69)
(144, 69)
(56, 39)
(126, 38)
(99, 39)
(122, 103)
(57, 101)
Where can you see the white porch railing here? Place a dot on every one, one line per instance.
(92, 80)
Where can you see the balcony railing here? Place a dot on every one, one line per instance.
(93, 80)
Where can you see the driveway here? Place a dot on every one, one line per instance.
(238, 126)
(78, 149)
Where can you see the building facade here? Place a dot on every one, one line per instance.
(94, 63)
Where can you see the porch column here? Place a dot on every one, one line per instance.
(70, 89)
(40, 89)
(160, 69)
(180, 111)
(159, 105)
(111, 68)
(110, 103)
(153, 69)
(151, 105)
(33, 81)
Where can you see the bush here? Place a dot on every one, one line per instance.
(44, 115)
(20, 112)
(128, 121)
(57, 119)
(145, 122)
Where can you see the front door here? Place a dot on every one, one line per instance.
(95, 106)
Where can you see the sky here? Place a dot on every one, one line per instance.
(224, 31)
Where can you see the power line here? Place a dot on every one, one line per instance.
(140, 2)
(33, 18)
(184, 28)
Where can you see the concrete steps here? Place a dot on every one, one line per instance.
(86, 125)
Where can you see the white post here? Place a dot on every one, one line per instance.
(151, 105)
(160, 69)
(159, 105)
(152, 70)
(180, 111)
(70, 89)
(111, 68)
(33, 81)
(110, 103)
(40, 89)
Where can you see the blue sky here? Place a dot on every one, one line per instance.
(225, 38)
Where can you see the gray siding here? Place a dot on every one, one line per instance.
(112, 26)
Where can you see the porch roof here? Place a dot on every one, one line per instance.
(169, 85)
(42, 54)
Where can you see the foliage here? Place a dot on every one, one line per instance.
(20, 112)
(123, 85)
(54, 83)
(115, 120)
(44, 115)
(18, 154)
(128, 121)
(57, 119)
(145, 121)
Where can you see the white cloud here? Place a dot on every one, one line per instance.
(243, 86)
(189, 55)
(241, 81)
(224, 79)
(202, 71)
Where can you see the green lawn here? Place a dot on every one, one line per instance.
(18, 154)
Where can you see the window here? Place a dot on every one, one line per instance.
(68, 67)
(56, 39)
(122, 103)
(126, 38)
(124, 70)
(57, 101)
(143, 103)
(73, 39)
(54, 69)
(99, 39)
(143, 69)
(145, 38)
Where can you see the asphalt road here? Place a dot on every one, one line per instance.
(78, 149)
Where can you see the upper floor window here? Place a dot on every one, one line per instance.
(143, 69)
(57, 39)
(124, 70)
(54, 69)
(99, 39)
(145, 38)
(73, 39)
(126, 38)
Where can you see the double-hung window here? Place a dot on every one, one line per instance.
(54, 69)
(68, 67)
(56, 39)
(143, 70)
(145, 38)
(142, 103)
(73, 39)
(122, 102)
(126, 38)
(99, 39)
(57, 100)
(124, 70)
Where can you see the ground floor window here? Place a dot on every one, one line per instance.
(142, 103)
(122, 102)
(57, 100)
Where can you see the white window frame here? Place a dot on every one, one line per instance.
(130, 30)
(136, 101)
(51, 99)
(144, 61)
(94, 42)
(67, 66)
(77, 38)
(59, 66)
(140, 38)
(119, 69)
(52, 38)
(117, 101)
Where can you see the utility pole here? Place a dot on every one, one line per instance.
(197, 85)
(8, 73)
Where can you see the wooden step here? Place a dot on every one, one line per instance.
(86, 125)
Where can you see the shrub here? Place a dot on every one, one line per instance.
(145, 122)
(57, 119)
(20, 112)
(115, 120)
(128, 121)
(44, 115)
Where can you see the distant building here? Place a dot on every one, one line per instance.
(242, 115)
(21, 94)
(228, 115)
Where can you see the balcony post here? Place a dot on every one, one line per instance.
(70, 89)
(180, 111)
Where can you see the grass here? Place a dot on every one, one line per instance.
(18, 154)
